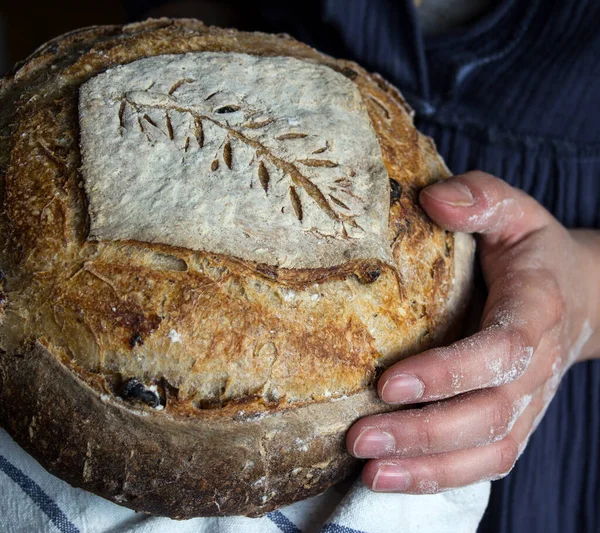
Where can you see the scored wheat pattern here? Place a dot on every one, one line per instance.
(334, 203)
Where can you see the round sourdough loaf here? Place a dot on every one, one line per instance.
(211, 246)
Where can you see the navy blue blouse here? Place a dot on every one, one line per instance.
(516, 94)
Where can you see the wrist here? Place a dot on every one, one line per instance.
(588, 242)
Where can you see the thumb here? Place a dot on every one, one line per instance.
(477, 202)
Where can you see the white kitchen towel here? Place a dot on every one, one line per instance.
(33, 501)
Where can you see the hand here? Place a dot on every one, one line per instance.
(487, 393)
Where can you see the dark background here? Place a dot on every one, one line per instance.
(27, 24)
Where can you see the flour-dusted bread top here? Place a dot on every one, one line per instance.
(204, 273)
(269, 159)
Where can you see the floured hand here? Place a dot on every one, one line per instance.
(487, 393)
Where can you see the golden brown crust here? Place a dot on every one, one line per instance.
(257, 340)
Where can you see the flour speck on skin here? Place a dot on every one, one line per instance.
(558, 371)
(501, 212)
(457, 378)
(557, 374)
(522, 404)
(501, 375)
(518, 409)
(579, 344)
(428, 487)
(528, 354)
(509, 312)
(505, 317)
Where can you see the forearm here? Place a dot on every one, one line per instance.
(589, 241)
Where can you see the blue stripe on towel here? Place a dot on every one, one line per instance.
(335, 528)
(40, 498)
(283, 522)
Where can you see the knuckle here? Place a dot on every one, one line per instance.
(557, 306)
(554, 302)
(492, 190)
(518, 338)
(507, 454)
(451, 377)
(425, 439)
(500, 414)
(520, 350)
(551, 374)
(547, 290)
(515, 352)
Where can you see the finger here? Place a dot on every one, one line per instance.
(436, 473)
(476, 202)
(519, 311)
(472, 420)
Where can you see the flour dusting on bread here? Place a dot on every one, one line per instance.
(272, 160)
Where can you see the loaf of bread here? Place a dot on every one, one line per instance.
(211, 247)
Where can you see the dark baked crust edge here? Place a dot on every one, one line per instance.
(110, 449)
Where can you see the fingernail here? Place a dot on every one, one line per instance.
(391, 478)
(453, 193)
(373, 443)
(402, 388)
